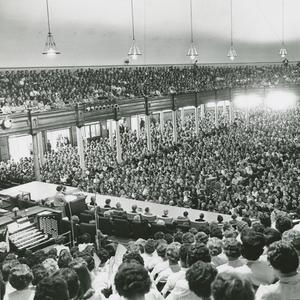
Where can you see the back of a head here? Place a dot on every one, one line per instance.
(271, 235)
(173, 252)
(159, 235)
(161, 249)
(132, 280)
(200, 276)
(188, 238)
(7, 266)
(229, 286)
(215, 246)
(39, 272)
(201, 237)
(20, 277)
(292, 236)
(103, 255)
(232, 248)
(133, 257)
(80, 267)
(72, 280)
(183, 253)
(198, 252)
(52, 288)
(149, 246)
(64, 258)
(265, 219)
(90, 262)
(252, 244)
(283, 257)
(178, 237)
(283, 224)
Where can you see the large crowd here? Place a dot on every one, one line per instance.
(235, 260)
(242, 168)
(45, 89)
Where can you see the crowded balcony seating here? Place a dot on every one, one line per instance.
(61, 88)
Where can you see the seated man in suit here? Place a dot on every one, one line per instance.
(201, 218)
(184, 219)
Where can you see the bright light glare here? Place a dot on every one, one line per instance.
(247, 101)
(281, 100)
(211, 104)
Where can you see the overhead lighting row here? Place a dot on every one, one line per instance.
(134, 51)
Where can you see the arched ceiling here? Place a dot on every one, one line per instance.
(97, 32)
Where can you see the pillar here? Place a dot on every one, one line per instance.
(128, 123)
(118, 142)
(224, 108)
(182, 116)
(138, 131)
(36, 163)
(110, 133)
(40, 148)
(174, 121)
(80, 147)
(148, 132)
(202, 111)
(162, 121)
(216, 114)
(196, 120)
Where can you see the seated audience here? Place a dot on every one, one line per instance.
(285, 262)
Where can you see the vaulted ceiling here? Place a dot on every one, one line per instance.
(98, 32)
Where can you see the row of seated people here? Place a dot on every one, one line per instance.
(255, 261)
(46, 89)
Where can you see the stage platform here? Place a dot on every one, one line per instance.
(42, 190)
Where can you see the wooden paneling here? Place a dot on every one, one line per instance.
(33, 122)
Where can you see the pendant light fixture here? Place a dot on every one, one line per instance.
(192, 52)
(232, 52)
(282, 51)
(134, 50)
(50, 46)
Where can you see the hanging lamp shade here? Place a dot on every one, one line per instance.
(232, 54)
(282, 50)
(50, 48)
(134, 51)
(192, 51)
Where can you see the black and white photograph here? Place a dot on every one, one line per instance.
(149, 150)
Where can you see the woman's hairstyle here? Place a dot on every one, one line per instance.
(283, 257)
(173, 252)
(198, 252)
(200, 276)
(80, 267)
(64, 258)
(232, 248)
(52, 288)
(20, 277)
(132, 280)
(39, 272)
(71, 278)
(133, 257)
(229, 286)
(214, 246)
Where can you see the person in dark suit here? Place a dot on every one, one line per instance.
(201, 218)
